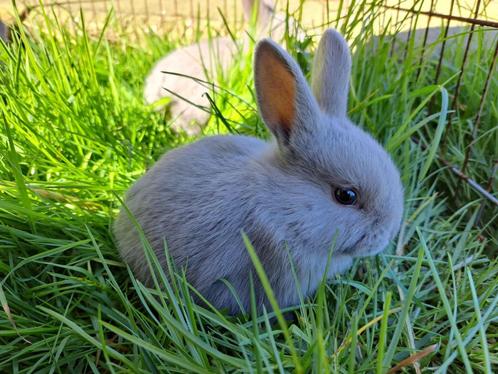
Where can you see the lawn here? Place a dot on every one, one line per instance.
(75, 134)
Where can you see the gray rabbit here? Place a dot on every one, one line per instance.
(322, 184)
(201, 61)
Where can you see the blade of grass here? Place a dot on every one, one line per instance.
(407, 303)
(273, 301)
(383, 334)
(446, 303)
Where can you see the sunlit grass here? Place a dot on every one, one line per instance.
(75, 134)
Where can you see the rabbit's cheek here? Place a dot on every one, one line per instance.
(374, 246)
(378, 248)
(339, 264)
(314, 267)
(351, 238)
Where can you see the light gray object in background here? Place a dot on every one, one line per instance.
(292, 196)
(7, 30)
(201, 61)
(4, 32)
(457, 37)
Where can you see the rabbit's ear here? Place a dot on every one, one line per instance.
(284, 98)
(263, 10)
(331, 72)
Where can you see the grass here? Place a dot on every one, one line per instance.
(75, 134)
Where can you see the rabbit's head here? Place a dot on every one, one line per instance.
(356, 186)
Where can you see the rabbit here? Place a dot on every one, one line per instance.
(322, 186)
(201, 61)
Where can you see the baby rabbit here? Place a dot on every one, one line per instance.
(321, 186)
(201, 61)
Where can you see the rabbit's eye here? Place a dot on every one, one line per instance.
(346, 196)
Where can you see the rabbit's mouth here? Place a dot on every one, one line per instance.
(363, 247)
(373, 249)
(355, 247)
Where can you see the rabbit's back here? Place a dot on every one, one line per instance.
(193, 198)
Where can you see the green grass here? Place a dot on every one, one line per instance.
(74, 136)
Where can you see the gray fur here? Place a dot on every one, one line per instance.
(201, 61)
(200, 197)
(332, 48)
(4, 32)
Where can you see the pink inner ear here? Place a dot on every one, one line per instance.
(277, 88)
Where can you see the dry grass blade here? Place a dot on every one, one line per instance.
(6, 308)
(349, 339)
(472, 21)
(413, 359)
(471, 182)
(8, 313)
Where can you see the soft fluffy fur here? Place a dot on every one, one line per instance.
(202, 61)
(199, 198)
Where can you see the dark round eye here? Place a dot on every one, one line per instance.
(346, 196)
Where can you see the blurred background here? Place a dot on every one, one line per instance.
(169, 15)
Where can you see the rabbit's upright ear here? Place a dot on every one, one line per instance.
(284, 98)
(331, 72)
